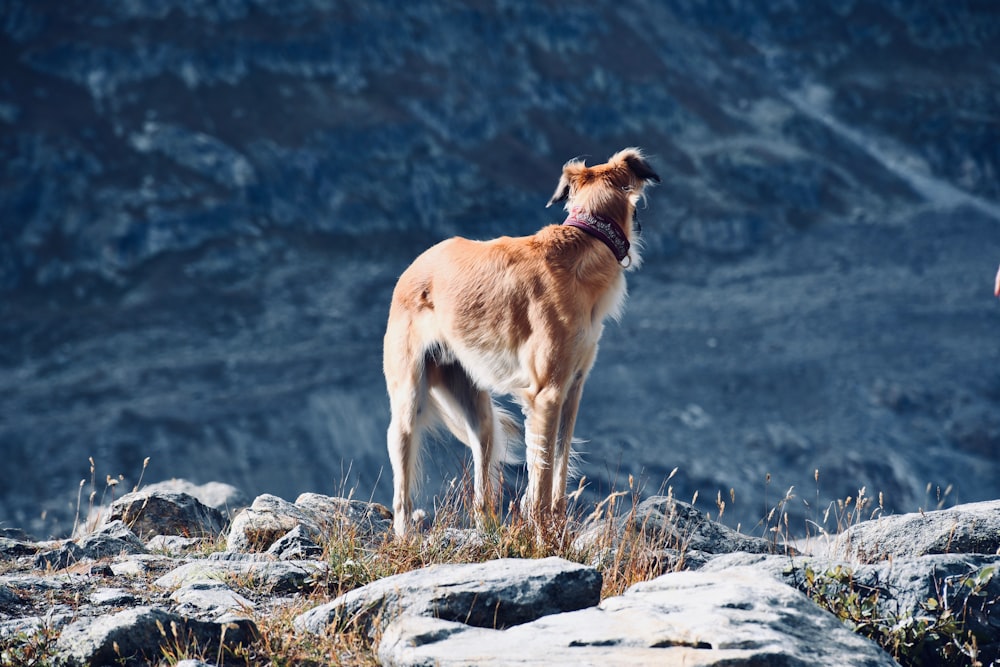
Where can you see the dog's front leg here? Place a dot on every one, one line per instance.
(564, 444)
(541, 427)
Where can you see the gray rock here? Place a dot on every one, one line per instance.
(112, 597)
(135, 636)
(15, 534)
(969, 529)
(498, 593)
(30, 582)
(344, 515)
(257, 527)
(967, 585)
(112, 539)
(275, 577)
(60, 557)
(733, 618)
(173, 544)
(670, 526)
(142, 564)
(295, 545)
(166, 513)
(15, 548)
(269, 518)
(210, 599)
(224, 497)
(8, 598)
(455, 539)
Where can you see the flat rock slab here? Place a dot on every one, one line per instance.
(499, 593)
(211, 599)
(733, 618)
(973, 528)
(272, 576)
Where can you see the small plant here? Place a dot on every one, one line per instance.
(35, 648)
(935, 636)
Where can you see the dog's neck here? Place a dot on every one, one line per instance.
(602, 228)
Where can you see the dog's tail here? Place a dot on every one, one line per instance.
(453, 404)
(508, 438)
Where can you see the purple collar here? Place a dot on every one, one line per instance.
(605, 229)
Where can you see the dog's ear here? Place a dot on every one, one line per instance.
(570, 171)
(561, 193)
(637, 164)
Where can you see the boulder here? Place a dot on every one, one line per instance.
(968, 529)
(112, 539)
(499, 593)
(667, 523)
(733, 618)
(135, 637)
(11, 549)
(224, 497)
(257, 527)
(149, 513)
(295, 545)
(269, 518)
(60, 557)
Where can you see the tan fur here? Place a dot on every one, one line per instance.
(518, 316)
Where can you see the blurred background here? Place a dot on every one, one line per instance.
(204, 207)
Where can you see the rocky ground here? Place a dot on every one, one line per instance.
(165, 578)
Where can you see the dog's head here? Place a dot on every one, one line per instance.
(611, 189)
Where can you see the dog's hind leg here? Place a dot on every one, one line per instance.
(470, 415)
(411, 412)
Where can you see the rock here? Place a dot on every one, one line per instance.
(15, 534)
(8, 598)
(224, 497)
(344, 515)
(295, 545)
(257, 527)
(210, 599)
(135, 637)
(166, 513)
(969, 529)
(14, 548)
(61, 557)
(455, 539)
(112, 597)
(112, 539)
(498, 593)
(269, 518)
(142, 564)
(665, 522)
(271, 576)
(173, 544)
(733, 618)
(968, 586)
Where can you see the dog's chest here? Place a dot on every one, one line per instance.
(611, 303)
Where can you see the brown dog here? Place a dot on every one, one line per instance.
(519, 316)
